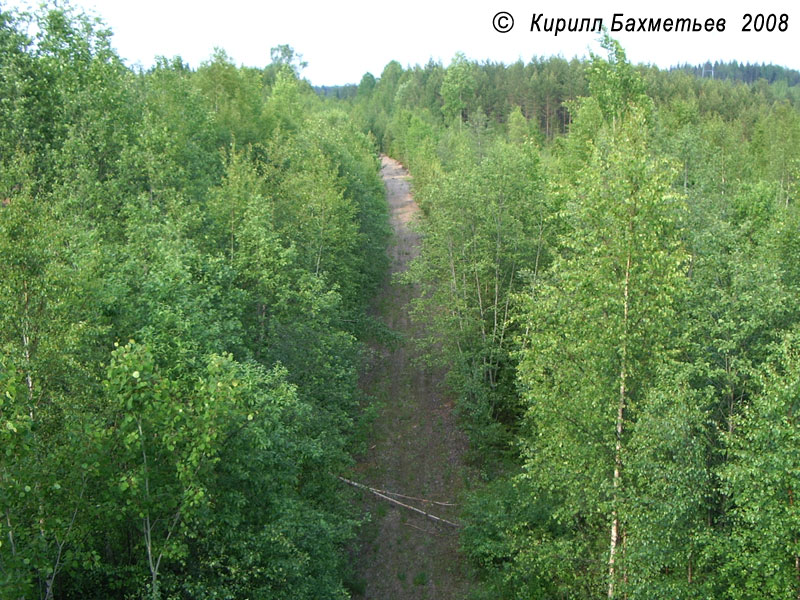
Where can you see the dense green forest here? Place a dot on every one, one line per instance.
(185, 259)
(609, 275)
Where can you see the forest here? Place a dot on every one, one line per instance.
(608, 276)
(185, 260)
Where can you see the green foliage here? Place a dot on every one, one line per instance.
(484, 224)
(598, 322)
(608, 272)
(457, 89)
(520, 129)
(614, 83)
(656, 230)
(776, 141)
(671, 494)
(235, 227)
(646, 270)
(761, 551)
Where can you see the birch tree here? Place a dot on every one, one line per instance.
(599, 324)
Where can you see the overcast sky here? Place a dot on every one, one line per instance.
(343, 40)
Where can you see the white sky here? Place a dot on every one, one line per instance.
(343, 40)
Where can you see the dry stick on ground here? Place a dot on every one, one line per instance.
(393, 501)
(388, 493)
(395, 494)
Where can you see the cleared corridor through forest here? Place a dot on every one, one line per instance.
(416, 447)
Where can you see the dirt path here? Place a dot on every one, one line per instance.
(416, 449)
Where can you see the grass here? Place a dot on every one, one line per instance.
(406, 452)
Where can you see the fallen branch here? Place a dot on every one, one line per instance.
(396, 495)
(381, 494)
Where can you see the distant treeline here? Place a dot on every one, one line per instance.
(340, 92)
(743, 72)
(543, 88)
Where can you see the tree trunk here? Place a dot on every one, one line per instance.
(623, 374)
(797, 557)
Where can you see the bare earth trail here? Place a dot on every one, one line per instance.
(417, 449)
